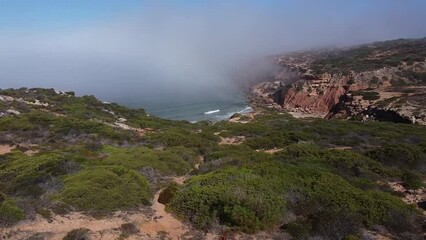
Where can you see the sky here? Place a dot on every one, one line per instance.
(135, 47)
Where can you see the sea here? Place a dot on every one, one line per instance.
(191, 107)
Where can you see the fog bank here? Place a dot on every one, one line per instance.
(162, 49)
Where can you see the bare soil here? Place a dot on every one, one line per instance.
(6, 149)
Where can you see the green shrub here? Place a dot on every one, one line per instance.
(236, 197)
(297, 230)
(398, 82)
(173, 137)
(351, 237)
(105, 189)
(176, 160)
(412, 180)
(168, 193)
(22, 175)
(77, 234)
(10, 213)
(44, 212)
(256, 197)
(367, 95)
(408, 156)
(374, 80)
(128, 229)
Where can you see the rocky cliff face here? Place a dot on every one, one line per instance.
(382, 81)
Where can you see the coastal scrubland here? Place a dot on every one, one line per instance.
(324, 178)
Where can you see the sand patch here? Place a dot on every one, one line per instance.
(273, 150)
(6, 149)
(342, 148)
(234, 140)
(412, 197)
(31, 152)
(270, 151)
(106, 228)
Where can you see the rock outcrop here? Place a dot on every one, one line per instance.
(383, 81)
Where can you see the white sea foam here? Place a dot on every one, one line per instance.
(212, 111)
(229, 114)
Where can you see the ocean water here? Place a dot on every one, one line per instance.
(212, 106)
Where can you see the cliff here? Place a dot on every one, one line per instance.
(382, 81)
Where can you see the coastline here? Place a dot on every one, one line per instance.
(261, 102)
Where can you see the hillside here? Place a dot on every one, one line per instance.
(74, 166)
(383, 81)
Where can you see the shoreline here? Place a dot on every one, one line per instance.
(262, 103)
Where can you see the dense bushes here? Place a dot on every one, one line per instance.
(173, 137)
(235, 197)
(9, 212)
(345, 163)
(408, 156)
(274, 130)
(105, 189)
(176, 160)
(231, 155)
(412, 180)
(59, 126)
(259, 196)
(24, 176)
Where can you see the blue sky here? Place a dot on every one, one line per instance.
(60, 13)
(28, 14)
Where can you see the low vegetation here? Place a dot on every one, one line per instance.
(263, 196)
(372, 57)
(105, 189)
(306, 177)
(77, 234)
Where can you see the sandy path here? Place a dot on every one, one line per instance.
(6, 149)
(163, 221)
(106, 228)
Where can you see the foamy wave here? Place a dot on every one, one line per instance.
(212, 111)
(246, 110)
(229, 114)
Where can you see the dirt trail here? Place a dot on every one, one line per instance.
(164, 221)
